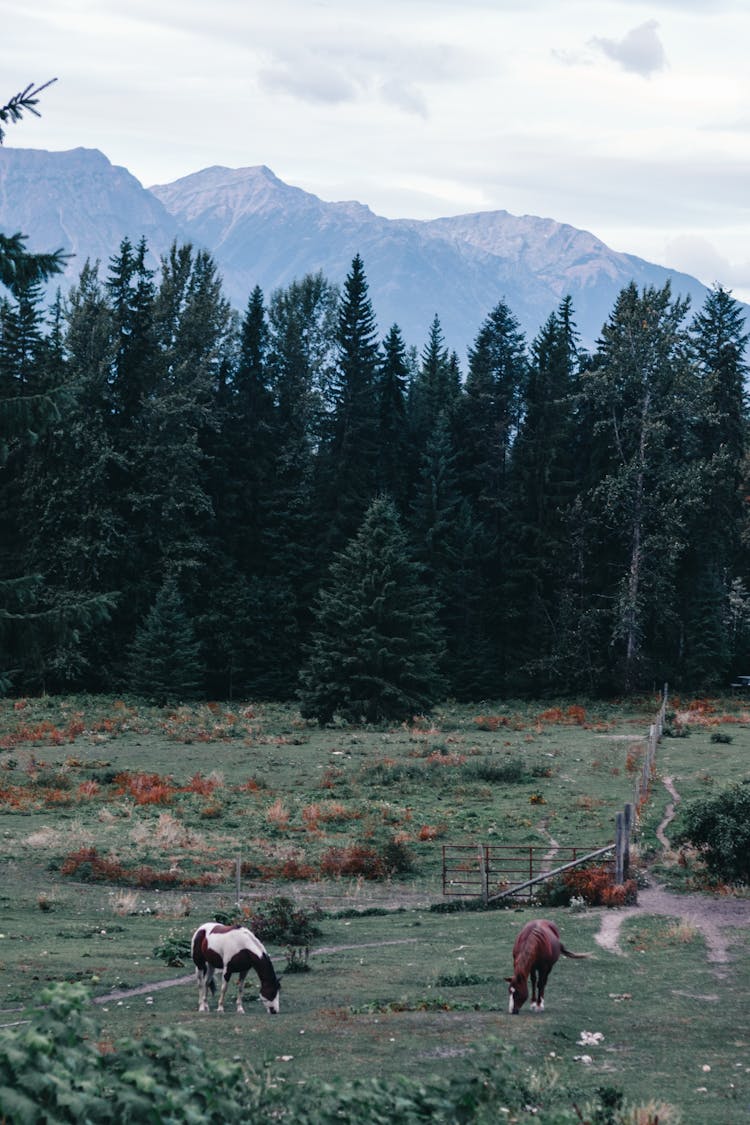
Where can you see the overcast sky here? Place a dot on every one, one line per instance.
(628, 119)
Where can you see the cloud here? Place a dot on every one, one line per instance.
(640, 51)
(307, 81)
(348, 70)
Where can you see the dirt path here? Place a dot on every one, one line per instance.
(554, 845)
(669, 812)
(709, 915)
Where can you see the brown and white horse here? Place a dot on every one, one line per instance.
(535, 951)
(232, 949)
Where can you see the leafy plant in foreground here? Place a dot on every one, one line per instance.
(58, 1068)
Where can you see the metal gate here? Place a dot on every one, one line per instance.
(491, 871)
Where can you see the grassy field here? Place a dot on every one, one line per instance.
(158, 805)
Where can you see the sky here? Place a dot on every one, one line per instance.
(624, 118)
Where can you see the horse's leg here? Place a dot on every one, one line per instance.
(202, 975)
(240, 986)
(223, 991)
(543, 975)
(533, 977)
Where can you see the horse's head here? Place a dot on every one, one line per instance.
(518, 992)
(271, 997)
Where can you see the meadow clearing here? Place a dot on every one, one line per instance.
(121, 827)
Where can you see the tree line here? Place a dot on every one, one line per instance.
(202, 502)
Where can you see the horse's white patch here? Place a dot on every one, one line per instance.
(511, 998)
(272, 1006)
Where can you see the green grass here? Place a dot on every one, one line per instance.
(409, 991)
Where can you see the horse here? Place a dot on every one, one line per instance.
(535, 951)
(232, 949)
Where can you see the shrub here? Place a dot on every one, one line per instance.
(720, 737)
(594, 886)
(719, 827)
(356, 859)
(510, 772)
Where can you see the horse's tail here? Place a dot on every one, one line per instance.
(576, 956)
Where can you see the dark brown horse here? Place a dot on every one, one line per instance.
(535, 951)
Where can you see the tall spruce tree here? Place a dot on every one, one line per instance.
(714, 560)
(435, 387)
(544, 485)
(377, 648)
(392, 439)
(642, 393)
(71, 525)
(486, 426)
(450, 545)
(164, 663)
(302, 320)
(349, 464)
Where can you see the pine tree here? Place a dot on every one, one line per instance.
(544, 485)
(450, 545)
(376, 649)
(642, 393)
(435, 388)
(392, 441)
(349, 465)
(72, 533)
(135, 361)
(490, 413)
(164, 659)
(302, 350)
(714, 559)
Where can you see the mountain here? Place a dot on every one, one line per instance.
(264, 232)
(78, 201)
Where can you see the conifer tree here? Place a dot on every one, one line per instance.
(544, 486)
(376, 648)
(164, 659)
(73, 533)
(392, 441)
(490, 413)
(135, 362)
(714, 559)
(436, 386)
(349, 465)
(450, 545)
(643, 395)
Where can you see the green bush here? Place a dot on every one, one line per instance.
(282, 922)
(511, 772)
(719, 827)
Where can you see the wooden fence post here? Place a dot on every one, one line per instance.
(484, 874)
(628, 830)
(619, 849)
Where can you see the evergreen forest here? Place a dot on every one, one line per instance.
(283, 503)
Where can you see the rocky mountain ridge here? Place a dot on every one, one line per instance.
(262, 231)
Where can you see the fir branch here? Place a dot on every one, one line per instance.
(22, 102)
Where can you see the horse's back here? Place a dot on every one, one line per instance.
(539, 939)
